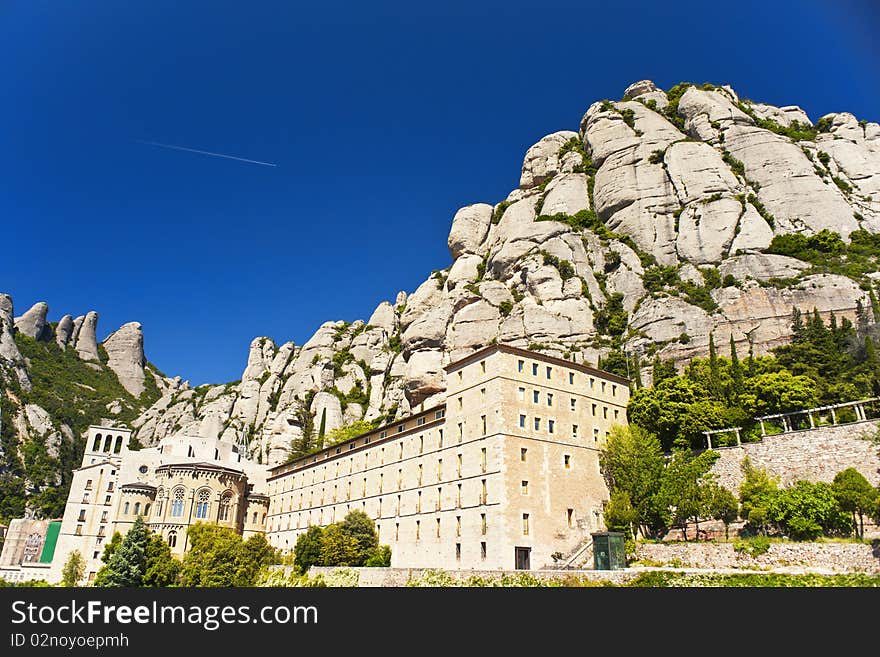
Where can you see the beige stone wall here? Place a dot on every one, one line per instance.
(815, 455)
(812, 557)
(479, 522)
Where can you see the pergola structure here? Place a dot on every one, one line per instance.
(734, 430)
(858, 406)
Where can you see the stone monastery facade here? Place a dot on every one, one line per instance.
(504, 475)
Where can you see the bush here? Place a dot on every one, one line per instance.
(753, 546)
(505, 307)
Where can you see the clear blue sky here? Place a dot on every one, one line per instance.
(383, 118)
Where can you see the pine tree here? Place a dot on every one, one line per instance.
(875, 307)
(861, 319)
(872, 364)
(797, 324)
(74, 569)
(637, 372)
(128, 563)
(736, 372)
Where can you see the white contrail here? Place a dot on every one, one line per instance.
(195, 150)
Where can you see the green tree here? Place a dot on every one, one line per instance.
(662, 369)
(781, 392)
(361, 528)
(723, 506)
(736, 373)
(855, 495)
(162, 568)
(338, 548)
(73, 570)
(127, 564)
(756, 491)
(219, 557)
(714, 370)
(307, 551)
(620, 515)
(809, 510)
(381, 557)
(347, 432)
(686, 485)
(632, 463)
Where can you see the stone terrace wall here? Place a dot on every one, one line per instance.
(814, 454)
(399, 576)
(815, 557)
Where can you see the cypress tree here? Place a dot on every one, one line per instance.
(872, 364)
(736, 372)
(714, 369)
(322, 427)
(875, 307)
(797, 324)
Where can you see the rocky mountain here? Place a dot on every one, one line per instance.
(665, 217)
(57, 380)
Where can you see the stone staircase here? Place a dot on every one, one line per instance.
(580, 558)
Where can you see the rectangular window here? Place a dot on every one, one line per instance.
(400, 452)
(573, 403)
(534, 369)
(525, 524)
(440, 414)
(420, 421)
(460, 403)
(458, 466)
(483, 493)
(550, 425)
(419, 503)
(460, 432)
(569, 516)
(592, 381)
(571, 378)
(616, 411)
(537, 424)
(522, 394)
(483, 422)
(439, 469)
(603, 386)
(594, 409)
(110, 487)
(398, 505)
(381, 481)
(458, 551)
(566, 460)
(549, 372)
(483, 525)
(483, 366)
(89, 485)
(482, 550)
(438, 527)
(536, 397)
(458, 525)
(458, 497)
(364, 491)
(519, 365)
(421, 444)
(522, 454)
(595, 434)
(524, 487)
(439, 497)
(420, 474)
(384, 434)
(483, 460)
(613, 390)
(460, 376)
(440, 439)
(574, 431)
(549, 399)
(399, 479)
(400, 428)
(396, 531)
(522, 421)
(605, 412)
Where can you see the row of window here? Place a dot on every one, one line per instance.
(308, 502)
(548, 372)
(309, 478)
(538, 422)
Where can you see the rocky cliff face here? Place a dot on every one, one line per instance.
(643, 231)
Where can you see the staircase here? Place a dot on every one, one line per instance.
(578, 559)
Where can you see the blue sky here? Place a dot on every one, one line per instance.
(383, 118)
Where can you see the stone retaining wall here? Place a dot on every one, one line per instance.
(371, 577)
(814, 454)
(812, 557)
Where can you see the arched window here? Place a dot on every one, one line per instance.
(177, 503)
(137, 508)
(160, 494)
(225, 506)
(202, 504)
(172, 538)
(96, 447)
(117, 447)
(254, 521)
(125, 509)
(147, 510)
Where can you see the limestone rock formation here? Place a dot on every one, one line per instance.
(33, 322)
(64, 330)
(125, 350)
(86, 339)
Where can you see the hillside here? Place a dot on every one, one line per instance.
(663, 218)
